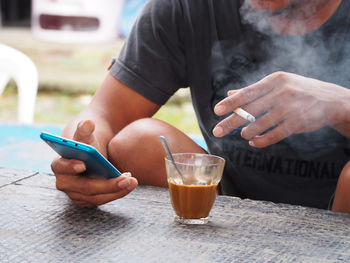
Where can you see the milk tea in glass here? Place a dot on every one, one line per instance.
(193, 188)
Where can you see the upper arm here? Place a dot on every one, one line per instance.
(119, 105)
(153, 60)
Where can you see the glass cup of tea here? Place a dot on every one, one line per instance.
(192, 185)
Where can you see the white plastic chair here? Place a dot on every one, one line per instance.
(14, 64)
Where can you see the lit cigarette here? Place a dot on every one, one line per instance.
(245, 115)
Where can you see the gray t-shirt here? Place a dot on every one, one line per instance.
(212, 46)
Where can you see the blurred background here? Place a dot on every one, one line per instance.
(54, 55)
(71, 43)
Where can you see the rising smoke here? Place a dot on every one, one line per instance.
(306, 55)
(320, 54)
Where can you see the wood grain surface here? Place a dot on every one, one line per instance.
(39, 224)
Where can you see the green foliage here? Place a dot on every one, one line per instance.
(181, 116)
(59, 107)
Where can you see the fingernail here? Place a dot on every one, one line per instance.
(127, 174)
(230, 92)
(220, 109)
(85, 127)
(124, 183)
(130, 187)
(218, 131)
(251, 143)
(79, 167)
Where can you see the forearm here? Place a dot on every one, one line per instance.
(113, 107)
(342, 116)
(344, 127)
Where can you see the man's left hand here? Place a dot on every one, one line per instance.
(287, 104)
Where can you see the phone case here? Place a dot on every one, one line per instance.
(96, 164)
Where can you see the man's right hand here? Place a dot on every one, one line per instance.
(84, 191)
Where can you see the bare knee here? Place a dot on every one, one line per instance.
(137, 149)
(341, 201)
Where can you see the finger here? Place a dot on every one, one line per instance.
(228, 104)
(96, 200)
(304, 117)
(275, 135)
(230, 123)
(283, 130)
(65, 166)
(243, 96)
(274, 116)
(91, 186)
(231, 92)
(257, 108)
(127, 185)
(84, 132)
(227, 125)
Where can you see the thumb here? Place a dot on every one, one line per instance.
(85, 132)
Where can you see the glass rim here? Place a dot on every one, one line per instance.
(221, 160)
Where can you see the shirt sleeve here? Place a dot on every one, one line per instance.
(152, 61)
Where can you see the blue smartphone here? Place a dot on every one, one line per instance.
(96, 164)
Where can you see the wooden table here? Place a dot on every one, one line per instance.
(39, 224)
